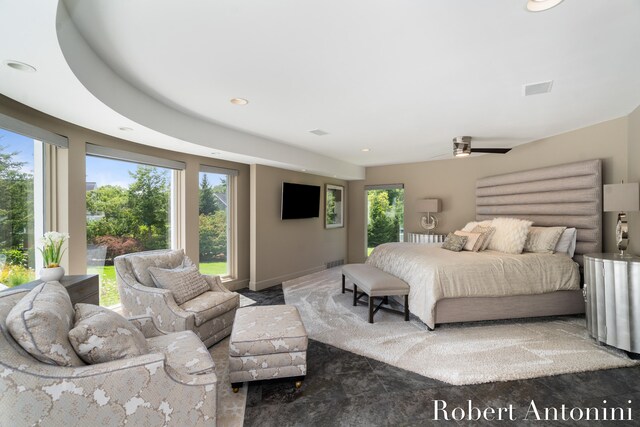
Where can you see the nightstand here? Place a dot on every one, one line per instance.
(424, 238)
(612, 293)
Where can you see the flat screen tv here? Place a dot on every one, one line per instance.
(300, 201)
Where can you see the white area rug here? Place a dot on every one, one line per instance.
(230, 405)
(469, 353)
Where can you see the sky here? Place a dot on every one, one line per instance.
(99, 170)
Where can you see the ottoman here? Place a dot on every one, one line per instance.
(267, 342)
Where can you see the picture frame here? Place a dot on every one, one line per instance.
(334, 206)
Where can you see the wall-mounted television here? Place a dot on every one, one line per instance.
(300, 201)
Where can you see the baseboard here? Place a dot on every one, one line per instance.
(267, 283)
(234, 285)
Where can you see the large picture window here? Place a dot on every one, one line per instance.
(385, 215)
(21, 215)
(128, 210)
(215, 207)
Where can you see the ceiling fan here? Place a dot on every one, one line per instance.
(462, 147)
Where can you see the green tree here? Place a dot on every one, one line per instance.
(208, 205)
(16, 203)
(331, 207)
(382, 226)
(149, 204)
(110, 214)
(213, 237)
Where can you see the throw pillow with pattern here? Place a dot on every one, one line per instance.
(185, 283)
(454, 243)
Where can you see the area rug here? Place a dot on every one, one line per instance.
(468, 353)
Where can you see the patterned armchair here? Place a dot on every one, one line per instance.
(173, 384)
(210, 315)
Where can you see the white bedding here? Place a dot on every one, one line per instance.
(434, 273)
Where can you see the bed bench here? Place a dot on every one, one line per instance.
(376, 284)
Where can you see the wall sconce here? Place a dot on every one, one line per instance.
(427, 206)
(621, 198)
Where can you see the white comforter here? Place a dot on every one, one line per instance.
(434, 273)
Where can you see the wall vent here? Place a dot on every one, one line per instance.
(537, 88)
(319, 132)
(336, 263)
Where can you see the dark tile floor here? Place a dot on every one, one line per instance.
(346, 389)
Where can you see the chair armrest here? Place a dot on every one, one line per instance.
(138, 299)
(215, 283)
(147, 326)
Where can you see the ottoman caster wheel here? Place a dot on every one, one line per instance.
(235, 389)
(298, 384)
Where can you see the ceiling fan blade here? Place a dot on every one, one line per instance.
(491, 150)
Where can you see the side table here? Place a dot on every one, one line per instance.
(82, 288)
(612, 292)
(424, 238)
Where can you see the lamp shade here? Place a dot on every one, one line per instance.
(621, 197)
(428, 205)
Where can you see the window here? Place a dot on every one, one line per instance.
(215, 220)
(129, 209)
(385, 215)
(23, 161)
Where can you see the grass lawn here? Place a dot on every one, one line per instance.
(369, 250)
(109, 289)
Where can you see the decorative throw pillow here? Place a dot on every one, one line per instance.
(510, 235)
(487, 234)
(185, 283)
(40, 323)
(543, 239)
(472, 240)
(454, 242)
(101, 335)
(473, 224)
(567, 243)
(140, 264)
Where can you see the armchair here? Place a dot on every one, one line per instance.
(157, 388)
(210, 315)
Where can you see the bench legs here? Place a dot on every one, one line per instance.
(406, 308)
(343, 283)
(355, 294)
(371, 312)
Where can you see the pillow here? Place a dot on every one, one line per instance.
(487, 234)
(567, 243)
(454, 242)
(101, 335)
(40, 324)
(473, 224)
(140, 264)
(510, 235)
(472, 240)
(543, 239)
(185, 283)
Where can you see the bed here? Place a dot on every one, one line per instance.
(451, 287)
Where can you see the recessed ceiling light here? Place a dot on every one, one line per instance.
(20, 66)
(125, 129)
(366, 150)
(540, 5)
(215, 153)
(304, 170)
(239, 101)
(319, 132)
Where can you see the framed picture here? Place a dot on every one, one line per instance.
(334, 206)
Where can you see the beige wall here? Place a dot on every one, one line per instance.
(633, 172)
(72, 205)
(453, 181)
(282, 250)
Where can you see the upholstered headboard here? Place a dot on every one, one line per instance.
(563, 195)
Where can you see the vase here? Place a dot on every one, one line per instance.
(51, 274)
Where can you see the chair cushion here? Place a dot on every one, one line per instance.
(101, 335)
(210, 305)
(268, 329)
(184, 351)
(185, 283)
(140, 264)
(40, 323)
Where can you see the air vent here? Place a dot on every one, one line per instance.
(319, 132)
(537, 88)
(336, 263)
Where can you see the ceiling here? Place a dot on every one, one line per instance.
(400, 78)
